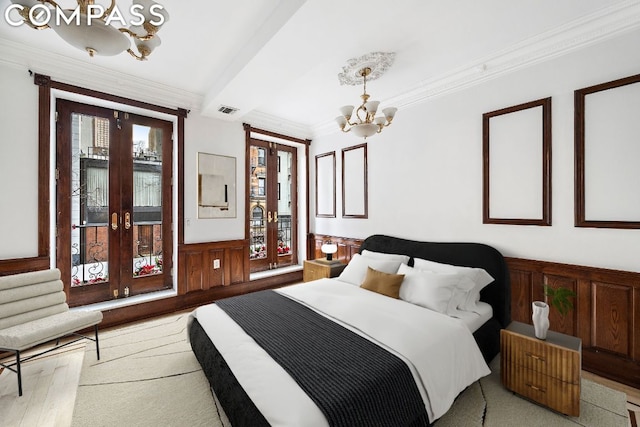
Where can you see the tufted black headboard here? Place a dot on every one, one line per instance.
(497, 294)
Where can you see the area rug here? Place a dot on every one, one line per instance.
(600, 406)
(148, 376)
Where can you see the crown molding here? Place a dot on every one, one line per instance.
(607, 23)
(575, 35)
(90, 76)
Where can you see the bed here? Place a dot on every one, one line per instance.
(243, 374)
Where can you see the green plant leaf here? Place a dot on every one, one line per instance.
(560, 298)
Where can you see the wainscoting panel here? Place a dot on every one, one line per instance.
(203, 266)
(566, 324)
(347, 247)
(521, 291)
(613, 315)
(237, 261)
(216, 275)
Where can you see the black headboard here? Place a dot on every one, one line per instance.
(497, 294)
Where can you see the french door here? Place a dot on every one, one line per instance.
(114, 199)
(272, 205)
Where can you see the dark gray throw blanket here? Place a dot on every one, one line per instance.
(353, 381)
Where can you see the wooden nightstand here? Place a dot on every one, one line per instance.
(545, 371)
(315, 269)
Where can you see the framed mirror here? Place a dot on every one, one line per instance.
(326, 185)
(516, 153)
(354, 182)
(607, 154)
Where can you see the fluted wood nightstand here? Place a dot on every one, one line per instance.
(545, 371)
(318, 269)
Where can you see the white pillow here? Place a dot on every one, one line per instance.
(478, 275)
(356, 271)
(389, 257)
(435, 291)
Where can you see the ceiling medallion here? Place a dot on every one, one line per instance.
(378, 62)
(358, 71)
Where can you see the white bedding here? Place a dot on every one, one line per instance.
(477, 318)
(439, 350)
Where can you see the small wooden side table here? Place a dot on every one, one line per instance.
(318, 269)
(545, 371)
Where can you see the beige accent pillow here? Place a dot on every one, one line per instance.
(383, 283)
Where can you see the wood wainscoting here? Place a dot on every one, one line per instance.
(606, 316)
(347, 246)
(203, 266)
(199, 282)
(23, 265)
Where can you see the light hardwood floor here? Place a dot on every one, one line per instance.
(50, 383)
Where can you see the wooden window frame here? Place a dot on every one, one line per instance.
(45, 85)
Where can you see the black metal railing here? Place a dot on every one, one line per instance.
(258, 240)
(90, 252)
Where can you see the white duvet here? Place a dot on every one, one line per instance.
(440, 351)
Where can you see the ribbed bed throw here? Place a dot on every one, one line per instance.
(353, 381)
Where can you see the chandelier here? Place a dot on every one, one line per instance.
(365, 123)
(89, 26)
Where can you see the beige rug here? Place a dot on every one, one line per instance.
(148, 376)
(600, 406)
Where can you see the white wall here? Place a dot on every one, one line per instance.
(423, 183)
(212, 136)
(425, 171)
(19, 168)
(18, 164)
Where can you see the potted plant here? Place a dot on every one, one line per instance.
(560, 298)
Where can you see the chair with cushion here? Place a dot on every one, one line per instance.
(33, 311)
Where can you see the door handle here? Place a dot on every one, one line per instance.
(114, 221)
(127, 220)
(269, 218)
(275, 217)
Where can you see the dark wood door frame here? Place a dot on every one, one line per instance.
(45, 86)
(252, 135)
(120, 162)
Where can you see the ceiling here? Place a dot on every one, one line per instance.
(277, 61)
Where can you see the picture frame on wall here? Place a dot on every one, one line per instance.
(607, 154)
(326, 185)
(516, 157)
(355, 182)
(216, 177)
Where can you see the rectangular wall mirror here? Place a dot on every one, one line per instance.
(354, 182)
(326, 185)
(607, 154)
(517, 164)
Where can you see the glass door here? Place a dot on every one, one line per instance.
(284, 218)
(113, 203)
(273, 206)
(147, 205)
